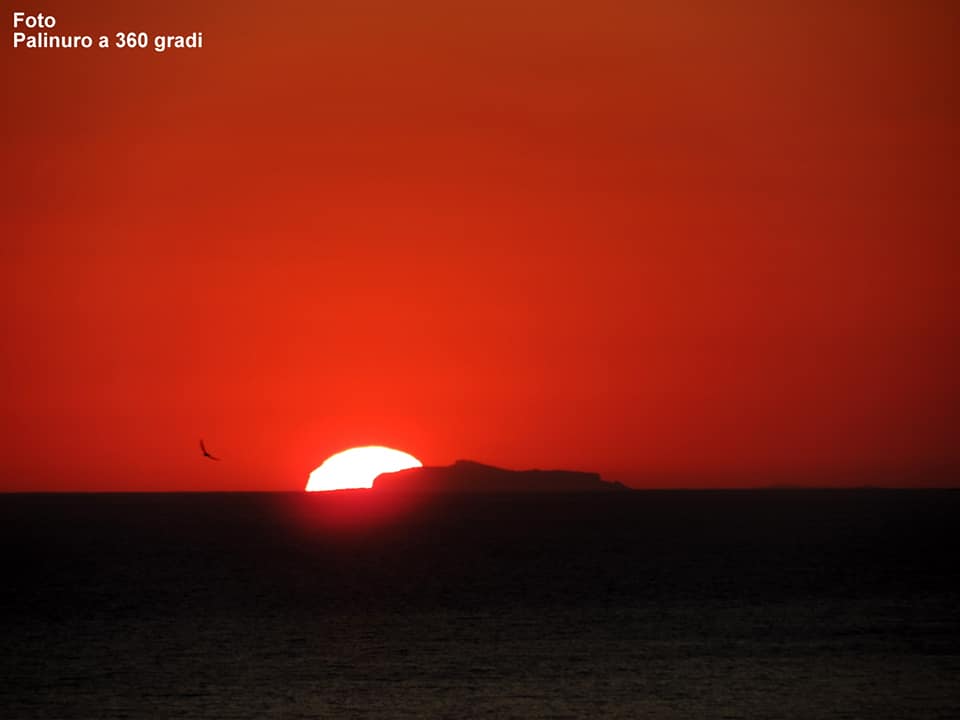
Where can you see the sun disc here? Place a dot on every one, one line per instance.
(358, 467)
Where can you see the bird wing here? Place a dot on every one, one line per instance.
(206, 453)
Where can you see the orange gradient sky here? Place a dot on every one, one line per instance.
(675, 242)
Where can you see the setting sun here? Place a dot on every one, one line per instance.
(358, 467)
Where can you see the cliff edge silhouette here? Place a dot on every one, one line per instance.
(466, 476)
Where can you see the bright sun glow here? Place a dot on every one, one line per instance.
(358, 467)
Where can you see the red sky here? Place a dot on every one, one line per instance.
(679, 242)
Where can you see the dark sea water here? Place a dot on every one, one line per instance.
(766, 604)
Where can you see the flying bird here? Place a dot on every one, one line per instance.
(203, 449)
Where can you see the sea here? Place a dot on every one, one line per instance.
(651, 604)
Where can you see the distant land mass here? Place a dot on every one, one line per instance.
(466, 476)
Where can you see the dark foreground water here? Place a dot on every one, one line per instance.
(776, 604)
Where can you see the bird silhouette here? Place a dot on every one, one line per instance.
(203, 449)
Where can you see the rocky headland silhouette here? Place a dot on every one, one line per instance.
(467, 476)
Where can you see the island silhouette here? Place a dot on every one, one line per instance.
(467, 476)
